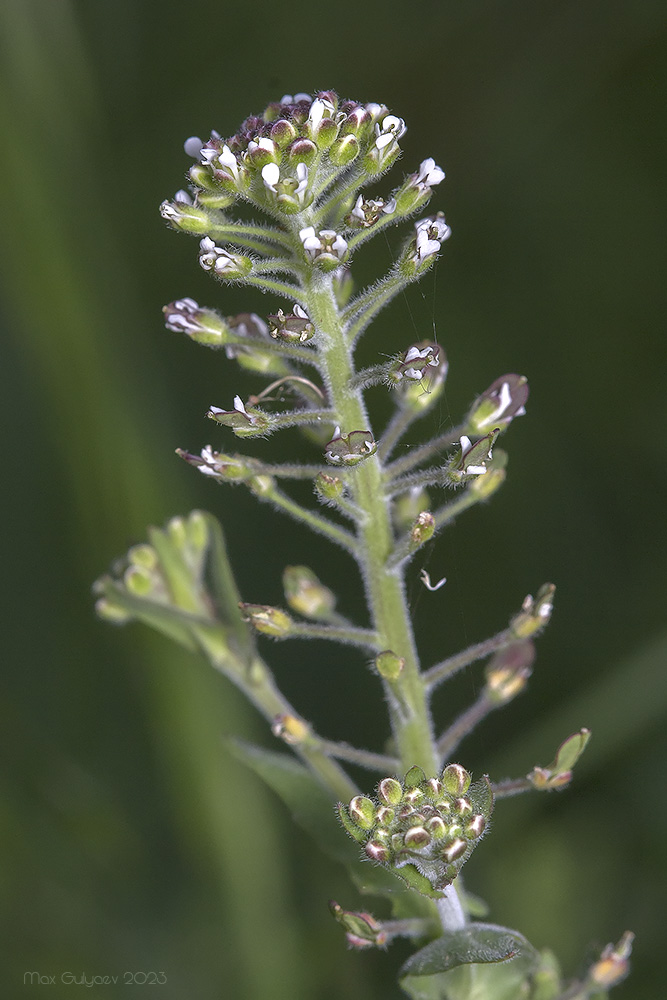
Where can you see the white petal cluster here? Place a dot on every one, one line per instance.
(214, 258)
(429, 174)
(327, 241)
(390, 131)
(431, 234)
(271, 179)
(319, 109)
(415, 373)
(180, 317)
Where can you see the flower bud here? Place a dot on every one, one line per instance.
(185, 216)
(283, 132)
(362, 812)
(302, 151)
(455, 779)
(266, 619)
(416, 836)
(454, 849)
(389, 665)
(422, 530)
(328, 489)
(614, 963)
(306, 595)
(503, 400)
(344, 150)
(408, 506)
(290, 729)
(390, 791)
(414, 777)
(507, 672)
(350, 449)
(361, 929)
(535, 613)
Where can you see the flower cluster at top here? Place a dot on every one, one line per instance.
(306, 157)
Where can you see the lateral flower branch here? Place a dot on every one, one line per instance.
(309, 171)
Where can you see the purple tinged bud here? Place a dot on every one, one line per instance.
(417, 837)
(377, 852)
(390, 791)
(302, 151)
(461, 806)
(507, 672)
(437, 827)
(454, 849)
(328, 489)
(455, 779)
(476, 826)
(344, 150)
(503, 400)
(385, 815)
(362, 812)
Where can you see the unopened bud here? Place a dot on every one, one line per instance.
(390, 791)
(503, 400)
(306, 594)
(508, 671)
(389, 665)
(422, 530)
(362, 930)
(614, 963)
(328, 489)
(290, 729)
(204, 326)
(266, 619)
(362, 812)
(344, 150)
(455, 779)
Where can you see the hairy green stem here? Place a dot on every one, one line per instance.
(447, 668)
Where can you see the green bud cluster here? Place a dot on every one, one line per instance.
(423, 829)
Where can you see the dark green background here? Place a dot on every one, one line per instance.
(130, 840)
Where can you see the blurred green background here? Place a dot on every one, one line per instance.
(120, 803)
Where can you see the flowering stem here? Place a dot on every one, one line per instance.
(410, 717)
(365, 307)
(363, 637)
(464, 725)
(253, 237)
(364, 758)
(395, 430)
(322, 525)
(447, 668)
(421, 454)
(516, 786)
(257, 682)
(443, 515)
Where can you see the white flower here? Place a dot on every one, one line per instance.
(431, 233)
(208, 457)
(238, 405)
(302, 179)
(392, 129)
(228, 161)
(271, 176)
(288, 99)
(504, 401)
(429, 174)
(299, 312)
(183, 197)
(318, 109)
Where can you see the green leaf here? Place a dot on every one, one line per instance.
(570, 751)
(479, 962)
